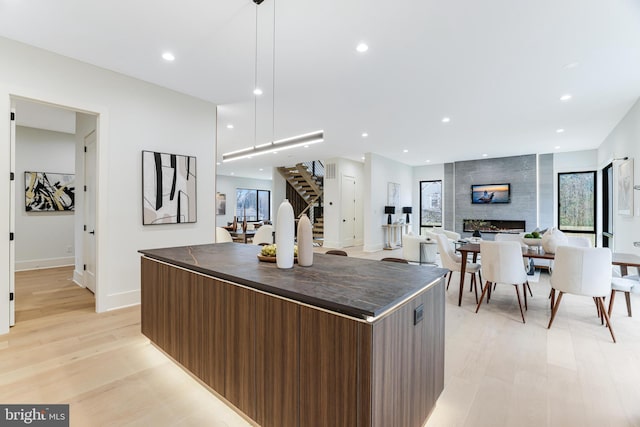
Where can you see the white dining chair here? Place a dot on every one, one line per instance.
(453, 262)
(626, 285)
(502, 263)
(222, 235)
(264, 234)
(582, 271)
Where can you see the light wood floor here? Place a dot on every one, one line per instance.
(498, 371)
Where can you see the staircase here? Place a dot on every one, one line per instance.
(305, 191)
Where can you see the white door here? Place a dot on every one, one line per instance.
(89, 240)
(348, 231)
(12, 219)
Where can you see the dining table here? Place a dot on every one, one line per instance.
(623, 260)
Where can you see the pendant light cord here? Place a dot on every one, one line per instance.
(273, 76)
(255, 86)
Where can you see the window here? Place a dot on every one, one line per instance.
(255, 205)
(430, 204)
(577, 202)
(607, 206)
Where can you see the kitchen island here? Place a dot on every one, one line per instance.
(345, 342)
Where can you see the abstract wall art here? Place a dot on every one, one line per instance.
(49, 192)
(169, 188)
(625, 188)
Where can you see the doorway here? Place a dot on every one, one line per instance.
(348, 207)
(44, 128)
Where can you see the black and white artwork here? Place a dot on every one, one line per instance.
(169, 188)
(625, 188)
(49, 192)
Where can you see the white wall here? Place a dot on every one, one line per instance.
(43, 239)
(378, 172)
(227, 185)
(623, 141)
(133, 116)
(333, 237)
(425, 173)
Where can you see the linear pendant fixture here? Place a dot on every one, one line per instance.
(270, 147)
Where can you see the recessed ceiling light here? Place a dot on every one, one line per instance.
(566, 97)
(446, 119)
(485, 155)
(257, 91)
(168, 56)
(362, 47)
(571, 65)
(260, 169)
(428, 161)
(557, 147)
(405, 151)
(362, 157)
(559, 130)
(218, 163)
(275, 152)
(306, 146)
(233, 173)
(364, 134)
(229, 126)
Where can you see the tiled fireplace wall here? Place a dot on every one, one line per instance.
(519, 171)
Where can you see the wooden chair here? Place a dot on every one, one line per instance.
(399, 260)
(336, 252)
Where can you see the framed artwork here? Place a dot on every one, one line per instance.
(49, 192)
(168, 188)
(625, 188)
(221, 204)
(393, 194)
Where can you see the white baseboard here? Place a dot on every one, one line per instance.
(373, 248)
(37, 264)
(78, 278)
(331, 245)
(122, 300)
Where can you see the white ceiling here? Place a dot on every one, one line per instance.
(496, 67)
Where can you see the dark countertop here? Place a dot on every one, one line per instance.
(356, 287)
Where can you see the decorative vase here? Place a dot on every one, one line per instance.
(305, 242)
(285, 227)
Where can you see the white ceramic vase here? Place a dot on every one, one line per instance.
(305, 242)
(285, 227)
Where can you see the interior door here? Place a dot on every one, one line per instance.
(12, 219)
(89, 238)
(348, 231)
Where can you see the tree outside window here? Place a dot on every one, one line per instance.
(577, 202)
(431, 203)
(254, 205)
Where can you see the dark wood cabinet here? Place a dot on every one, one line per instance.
(284, 363)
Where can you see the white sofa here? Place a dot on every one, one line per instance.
(431, 233)
(411, 248)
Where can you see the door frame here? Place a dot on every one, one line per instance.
(343, 239)
(102, 126)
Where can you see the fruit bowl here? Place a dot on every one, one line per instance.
(532, 241)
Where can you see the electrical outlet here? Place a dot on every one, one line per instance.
(418, 314)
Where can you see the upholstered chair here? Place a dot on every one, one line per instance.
(625, 285)
(502, 263)
(264, 234)
(411, 249)
(222, 235)
(453, 262)
(336, 252)
(582, 271)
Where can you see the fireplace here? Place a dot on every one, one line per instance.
(493, 225)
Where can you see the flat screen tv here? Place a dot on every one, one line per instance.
(490, 193)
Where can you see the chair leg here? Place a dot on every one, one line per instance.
(595, 300)
(449, 281)
(627, 296)
(606, 316)
(529, 287)
(484, 291)
(555, 304)
(475, 285)
(552, 296)
(611, 299)
(519, 303)
(524, 291)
